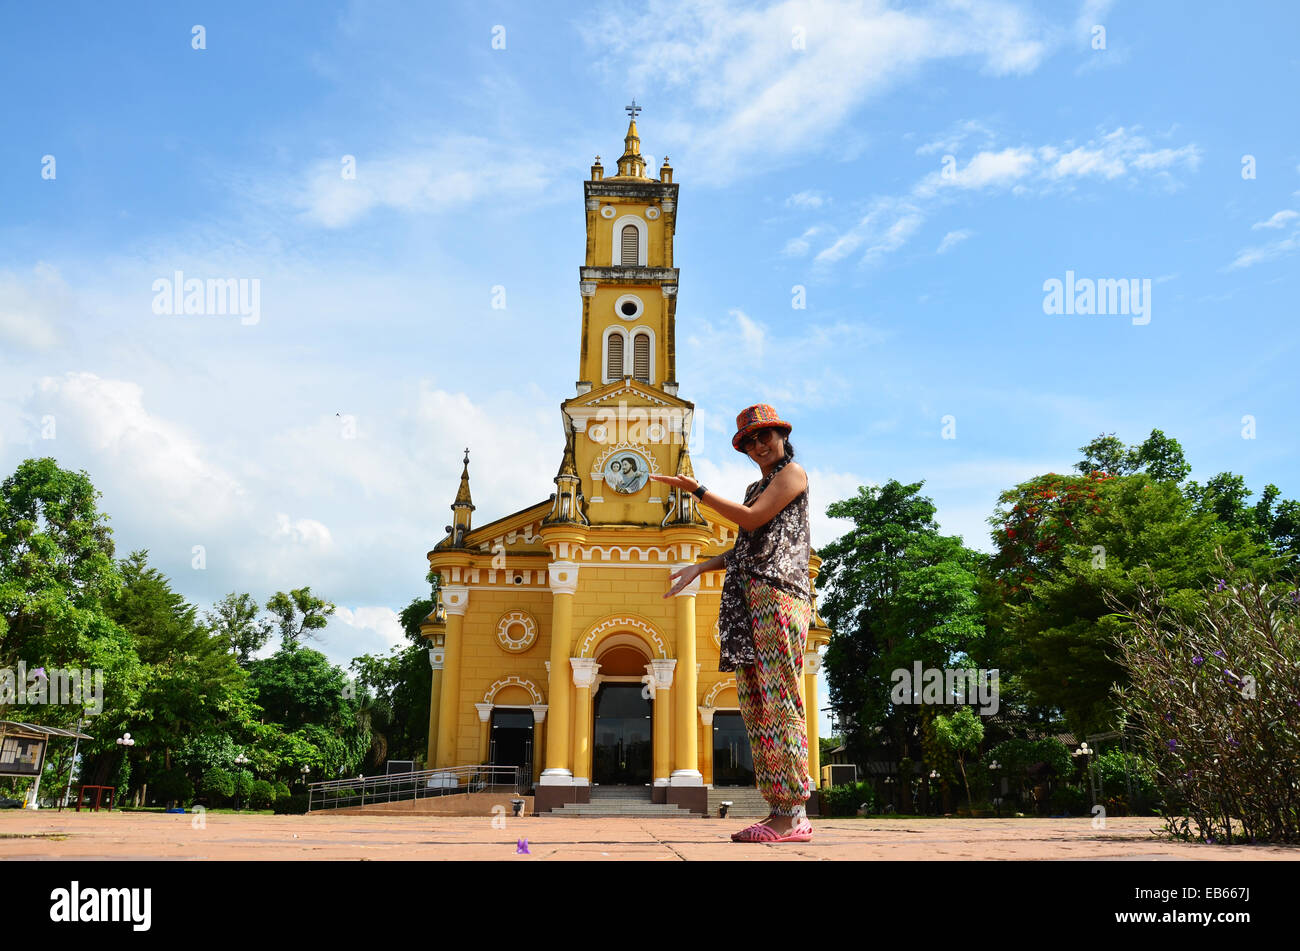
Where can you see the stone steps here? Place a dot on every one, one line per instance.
(623, 809)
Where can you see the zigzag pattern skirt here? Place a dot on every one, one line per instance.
(770, 700)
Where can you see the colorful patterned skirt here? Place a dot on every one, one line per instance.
(770, 700)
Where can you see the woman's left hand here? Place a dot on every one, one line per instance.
(681, 482)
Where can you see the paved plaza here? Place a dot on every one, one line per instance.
(47, 834)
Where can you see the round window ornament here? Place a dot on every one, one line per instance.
(652, 213)
(607, 211)
(629, 307)
(516, 631)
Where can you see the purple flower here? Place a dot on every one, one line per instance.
(1173, 744)
(1221, 585)
(1231, 677)
(1233, 742)
(1197, 661)
(1218, 653)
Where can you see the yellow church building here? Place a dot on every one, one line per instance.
(552, 643)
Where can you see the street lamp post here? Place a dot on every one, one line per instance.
(241, 760)
(126, 741)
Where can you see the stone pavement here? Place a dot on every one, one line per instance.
(47, 834)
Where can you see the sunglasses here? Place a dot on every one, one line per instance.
(761, 436)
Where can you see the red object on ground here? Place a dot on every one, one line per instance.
(99, 792)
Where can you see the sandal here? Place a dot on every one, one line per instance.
(735, 836)
(755, 833)
(802, 832)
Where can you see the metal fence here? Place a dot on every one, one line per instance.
(412, 787)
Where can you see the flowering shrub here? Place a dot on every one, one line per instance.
(1214, 695)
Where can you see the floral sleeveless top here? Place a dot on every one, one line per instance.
(776, 553)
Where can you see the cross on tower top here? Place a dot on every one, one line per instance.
(633, 109)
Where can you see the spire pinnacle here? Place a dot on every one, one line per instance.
(462, 495)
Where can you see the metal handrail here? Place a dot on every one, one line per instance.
(423, 784)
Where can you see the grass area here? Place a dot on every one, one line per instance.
(208, 810)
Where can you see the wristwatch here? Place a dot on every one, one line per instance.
(698, 492)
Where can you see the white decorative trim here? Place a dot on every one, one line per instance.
(529, 624)
(584, 671)
(455, 598)
(594, 633)
(513, 680)
(668, 205)
(706, 715)
(652, 213)
(607, 211)
(563, 576)
(663, 672)
(587, 289)
(640, 307)
(539, 712)
(717, 688)
(812, 662)
(686, 777)
(668, 290)
(555, 777)
(593, 204)
(717, 633)
(437, 657)
(484, 711)
(642, 240)
(664, 556)
(625, 388)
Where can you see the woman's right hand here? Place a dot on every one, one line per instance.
(683, 577)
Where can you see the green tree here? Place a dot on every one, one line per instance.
(1060, 631)
(56, 575)
(234, 619)
(960, 734)
(896, 592)
(298, 613)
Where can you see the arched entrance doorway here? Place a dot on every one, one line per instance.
(733, 762)
(623, 729)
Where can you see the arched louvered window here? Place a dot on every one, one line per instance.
(641, 357)
(631, 243)
(614, 356)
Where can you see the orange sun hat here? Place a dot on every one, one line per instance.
(756, 417)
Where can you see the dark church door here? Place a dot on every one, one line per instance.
(622, 754)
(733, 762)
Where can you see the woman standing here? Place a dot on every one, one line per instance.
(764, 615)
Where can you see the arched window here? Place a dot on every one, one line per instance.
(631, 239)
(641, 357)
(614, 356)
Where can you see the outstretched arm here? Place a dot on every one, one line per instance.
(789, 482)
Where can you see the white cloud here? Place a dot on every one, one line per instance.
(165, 466)
(304, 531)
(806, 199)
(892, 220)
(1278, 220)
(798, 247)
(455, 172)
(755, 80)
(953, 140)
(1266, 252)
(367, 624)
(33, 308)
(952, 239)
(751, 334)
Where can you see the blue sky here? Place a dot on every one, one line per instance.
(921, 170)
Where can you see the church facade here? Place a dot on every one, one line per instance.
(552, 643)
